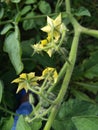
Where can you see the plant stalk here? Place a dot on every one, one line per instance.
(72, 59)
(8, 111)
(68, 8)
(69, 68)
(27, 18)
(90, 32)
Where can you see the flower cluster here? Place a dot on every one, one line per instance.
(27, 81)
(52, 73)
(54, 29)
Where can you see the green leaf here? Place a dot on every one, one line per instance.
(6, 28)
(1, 12)
(15, 1)
(30, 23)
(17, 18)
(73, 108)
(12, 47)
(8, 123)
(90, 66)
(44, 7)
(86, 123)
(92, 72)
(63, 125)
(26, 48)
(58, 125)
(22, 125)
(25, 10)
(91, 87)
(30, 1)
(82, 11)
(1, 90)
(44, 60)
(82, 96)
(36, 125)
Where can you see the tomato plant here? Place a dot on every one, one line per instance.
(49, 48)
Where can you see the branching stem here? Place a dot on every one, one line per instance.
(8, 111)
(69, 68)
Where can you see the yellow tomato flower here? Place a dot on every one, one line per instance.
(52, 24)
(38, 47)
(53, 74)
(43, 45)
(47, 47)
(53, 27)
(26, 80)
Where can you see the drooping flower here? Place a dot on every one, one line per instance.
(53, 27)
(26, 80)
(54, 30)
(44, 45)
(37, 47)
(51, 72)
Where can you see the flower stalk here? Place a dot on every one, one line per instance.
(63, 90)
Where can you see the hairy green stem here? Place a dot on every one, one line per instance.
(90, 32)
(68, 8)
(69, 67)
(78, 29)
(17, 7)
(6, 22)
(8, 111)
(72, 59)
(62, 39)
(51, 117)
(27, 18)
(63, 70)
(61, 74)
(58, 3)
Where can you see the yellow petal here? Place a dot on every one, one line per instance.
(56, 35)
(57, 21)
(50, 22)
(44, 42)
(26, 88)
(21, 86)
(17, 80)
(45, 71)
(38, 47)
(47, 28)
(50, 52)
(55, 76)
(49, 38)
(49, 70)
(33, 84)
(40, 78)
(31, 75)
(63, 28)
(23, 76)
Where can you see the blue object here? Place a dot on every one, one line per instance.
(24, 109)
(20, 94)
